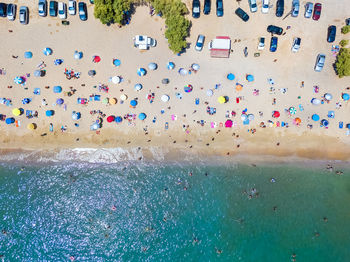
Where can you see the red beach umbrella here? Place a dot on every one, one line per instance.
(96, 59)
(276, 114)
(110, 119)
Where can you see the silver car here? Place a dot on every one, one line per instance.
(23, 15)
(200, 43)
(295, 8)
(321, 58)
(308, 9)
(296, 44)
(253, 6)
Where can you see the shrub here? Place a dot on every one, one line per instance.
(345, 29)
(344, 43)
(342, 64)
(111, 11)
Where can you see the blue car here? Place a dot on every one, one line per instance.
(273, 44)
(82, 11)
(196, 9)
(219, 8)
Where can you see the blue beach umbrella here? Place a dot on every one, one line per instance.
(47, 51)
(57, 89)
(324, 122)
(250, 78)
(78, 55)
(170, 65)
(118, 119)
(345, 96)
(141, 71)
(116, 62)
(9, 120)
(18, 80)
(49, 113)
(28, 55)
(59, 101)
(152, 66)
(315, 117)
(142, 116)
(58, 61)
(138, 87)
(76, 115)
(133, 103)
(230, 76)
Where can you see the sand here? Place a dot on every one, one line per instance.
(93, 38)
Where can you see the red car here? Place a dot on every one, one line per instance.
(317, 11)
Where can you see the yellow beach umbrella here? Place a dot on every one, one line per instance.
(31, 126)
(222, 99)
(16, 112)
(112, 101)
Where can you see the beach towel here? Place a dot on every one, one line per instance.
(213, 124)
(173, 117)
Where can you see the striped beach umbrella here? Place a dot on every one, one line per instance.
(47, 51)
(170, 65)
(141, 71)
(292, 110)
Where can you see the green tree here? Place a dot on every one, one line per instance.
(345, 29)
(111, 11)
(342, 64)
(344, 43)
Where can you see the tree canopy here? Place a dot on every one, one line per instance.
(111, 11)
(342, 64)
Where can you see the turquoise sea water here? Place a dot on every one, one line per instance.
(51, 212)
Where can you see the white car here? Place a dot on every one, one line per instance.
(265, 6)
(321, 58)
(296, 44)
(308, 9)
(261, 44)
(72, 7)
(62, 10)
(253, 6)
(200, 42)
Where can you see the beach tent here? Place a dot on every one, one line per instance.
(188, 88)
(9, 120)
(195, 67)
(118, 119)
(133, 103)
(17, 111)
(49, 113)
(315, 117)
(222, 99)
(96, 59)
(142, 116)
(152, 66)
(113, 101)
(59, 101)
(57, 89)
(47, 51)
(276, 114)
(78, 55)
(328, 96)
(138, 87)
(116, 62)
(116, 79)
(230, 76)
(31, 126)
(141, 71)
(165, 98)
(250, 78)
(165, 81)
(170, 65)
(345, 96)
(76, 115)
(228, 123)
(210, 92)
(92, 73)
(28, 55)
(110, 119)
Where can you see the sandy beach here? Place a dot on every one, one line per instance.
(179, 125)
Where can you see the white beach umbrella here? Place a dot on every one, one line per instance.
(116, 79)
(210, 92)
(165, 98)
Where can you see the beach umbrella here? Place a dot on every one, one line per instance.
(16, 112)
(37, 73)
(116, 79)
(9, 120)
(328, 96)
(188, 88)
(250, 117)
(28, 55)
(292, 110)
(170, 65)
(59, 101)
(315, 117)
(165, 81)
(142, 116)
(276, 114)
(183, 71)
(250, 78)
(297, 121)
(92, 72)
(228, 123)
(110, 119)
(195, 67)
(244, 117)
(324, 122)
(133, 103)
(18, 80)
(222, 99)
(345, 96)
(57, 89)
(116, 62)
(141, 71)
(118, 119)
(138, 87)
(152, 66)
(76, 115)
(123, 97)
(230, 76)
(78, 55)
(105, 101)
(239, 87)
(26, 101)
(113, 101)
(58, 61)
(47, 51)
(49, 113)
(31, 126)
(165, 98)
(315, 101)
(210, 92)
(96, 59)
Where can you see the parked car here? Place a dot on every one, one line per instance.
(308, 9)
(62, 10)
(295, 8)
(265, 6)
(279, 8)
(317, 11)
(72, 7)
(347, 21)
(196, 8)
(207, 7)
(200, 42)
(253, 6)
(3, 9)
(23, 15)
(241, 14)
(261, 44)
(332, 30)
(82, 11)
(53, 8)
(321, 58)
(273, 44)
(11, 12)
(296, 44)
(274, 29)
(219, 8)
(42, 8)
